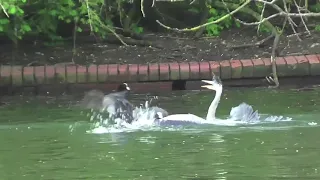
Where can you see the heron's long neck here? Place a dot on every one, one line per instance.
(211, 115)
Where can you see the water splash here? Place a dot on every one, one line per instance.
(145, 121)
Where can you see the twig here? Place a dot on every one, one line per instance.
(74, 41)
(304, 23)
(103, 25)
(292, 24)
(276, 33)
(89, 16)
(141, 8)
(4, 10)
(206, 24)
(273, 61)
(261, 17)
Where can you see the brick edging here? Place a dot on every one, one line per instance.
(289, 66)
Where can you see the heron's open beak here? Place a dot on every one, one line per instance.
(208, 87)
(208, 82)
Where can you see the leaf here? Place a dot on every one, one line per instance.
(53, 12)
(211, 19)
(24, 1)
(26, 27)
(4, 21)
(213, 12)
(1, 29)
(60, 17)
(138, 30)
(73, 13)
(79, 29)
(237, 24)
(20, 11)
(12, 10)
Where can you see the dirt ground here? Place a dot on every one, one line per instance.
(170, 47)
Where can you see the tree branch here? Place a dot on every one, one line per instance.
(206, 24)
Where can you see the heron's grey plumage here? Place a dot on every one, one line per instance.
(116, 104)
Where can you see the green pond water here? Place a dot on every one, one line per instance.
(46, 138)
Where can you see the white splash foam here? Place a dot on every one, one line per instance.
(145, 122)
(312, 123)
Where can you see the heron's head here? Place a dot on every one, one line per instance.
(214, 84)
(123, 87)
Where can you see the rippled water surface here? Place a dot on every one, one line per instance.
(46, 138)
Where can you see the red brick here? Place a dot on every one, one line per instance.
(5, 78)
(40, 74)
(225, 69)
(194, 70)
(93, 73)
(291, 61)
(112, 73)
(303, 66)
(154, 70)
(314, 62)
(174, 71)
(184, 71)
(164, 71)
(133, 72)
(282, 69)
(16, 73)
(215, 68)
(143, 73)
(236, 69)
(82, 74)
(301, 59)
(50, 73)
(247, 68)
(291, 65)
(205, 71)
(102, 72)
(28, 75)
(313, 59)
(123, 72)
(267, 62)
(259, 69)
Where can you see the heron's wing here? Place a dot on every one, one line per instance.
(124, 109)
(92, 99)
(244, 112)
(121, 94)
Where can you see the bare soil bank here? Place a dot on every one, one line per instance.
(169, 47)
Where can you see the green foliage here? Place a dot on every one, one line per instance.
(43, 17)
(13, 26)
(137, 29)
(263, 28)
(316, 7)
(215, 29)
